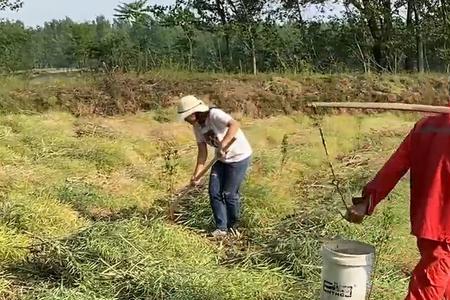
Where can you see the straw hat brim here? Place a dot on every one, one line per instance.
(199, 108)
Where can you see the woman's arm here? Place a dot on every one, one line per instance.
(233, 127)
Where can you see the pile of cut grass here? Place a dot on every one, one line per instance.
(136, 259)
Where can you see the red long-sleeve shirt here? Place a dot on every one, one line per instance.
(426, 153)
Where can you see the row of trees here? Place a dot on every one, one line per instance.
(240, 36)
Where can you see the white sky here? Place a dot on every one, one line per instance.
(36, 12)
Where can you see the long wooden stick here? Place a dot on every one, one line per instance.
(383, 106)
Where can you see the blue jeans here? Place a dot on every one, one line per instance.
(224, 183)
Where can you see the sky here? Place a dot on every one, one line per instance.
(36, 12)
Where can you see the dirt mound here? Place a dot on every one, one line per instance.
(259, 96)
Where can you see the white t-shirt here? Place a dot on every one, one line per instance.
(214, 130)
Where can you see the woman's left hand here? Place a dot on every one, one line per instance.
(195, 182)
(221, 152)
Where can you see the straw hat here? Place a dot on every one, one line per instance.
(189, 105)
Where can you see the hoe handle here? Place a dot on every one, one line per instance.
(213, 161)
(383, 106)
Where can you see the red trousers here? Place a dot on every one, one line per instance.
(431, 277)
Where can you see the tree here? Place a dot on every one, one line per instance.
(82, 44)
(443, 11)
(417, 7)
(137, 12)
(138, 15)
(378, 15)
(53, 45)
(435, 28)
(180, 15)
(410, 61)
(247, 20)
(15, 47)
(248, 35)
(216, 14)
(10, 4)
(292, 10)
(235, 18)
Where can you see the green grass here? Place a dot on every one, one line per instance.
(83, 203)
(12, 244)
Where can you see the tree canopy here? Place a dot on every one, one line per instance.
(240, 36)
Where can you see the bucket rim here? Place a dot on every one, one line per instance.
(369, 249)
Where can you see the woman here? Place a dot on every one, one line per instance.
(216, 128)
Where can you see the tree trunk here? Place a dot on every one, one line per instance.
(228, 48)
(386, 30)
(223, 20)
(299, 13)
(219, 52)
(255, 69)
(191, 53)
(420, 54)
(419, 41)
(411, 52)
(377, 48)
(377, 51)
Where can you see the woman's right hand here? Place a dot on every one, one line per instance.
(194, 181)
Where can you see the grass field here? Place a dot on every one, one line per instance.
(83, 208)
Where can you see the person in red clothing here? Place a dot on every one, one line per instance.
(425, 152)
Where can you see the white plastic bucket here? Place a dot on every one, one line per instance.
(347, 269)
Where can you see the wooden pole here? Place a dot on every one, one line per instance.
(384, 106)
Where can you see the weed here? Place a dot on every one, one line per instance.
(284, 151)
(171, 164)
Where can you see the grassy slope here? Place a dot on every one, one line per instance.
(82, 204)
(257, 96)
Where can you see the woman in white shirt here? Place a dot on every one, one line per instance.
(216, 128)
